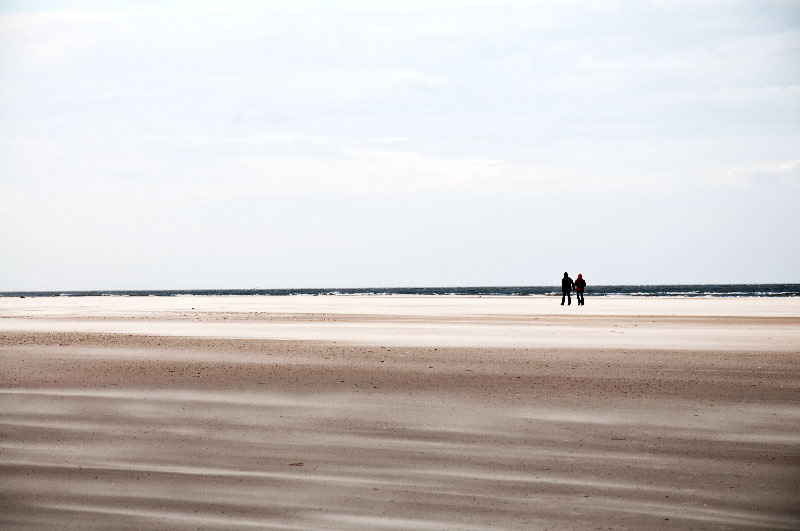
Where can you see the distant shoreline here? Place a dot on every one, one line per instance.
(655, 290)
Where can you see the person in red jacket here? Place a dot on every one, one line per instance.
(579, 285)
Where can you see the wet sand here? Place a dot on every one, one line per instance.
(399, 413)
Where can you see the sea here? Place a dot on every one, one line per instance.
(652, 290)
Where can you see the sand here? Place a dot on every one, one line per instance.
(399, 413)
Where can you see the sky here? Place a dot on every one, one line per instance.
(180, 145)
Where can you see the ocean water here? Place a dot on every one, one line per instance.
(655, 290)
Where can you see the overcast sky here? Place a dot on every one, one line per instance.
(431, 143)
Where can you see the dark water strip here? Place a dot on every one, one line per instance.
(654, 290)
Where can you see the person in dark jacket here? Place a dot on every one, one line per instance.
(579, 285)
(566, 289)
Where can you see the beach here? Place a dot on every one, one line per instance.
(399, 412)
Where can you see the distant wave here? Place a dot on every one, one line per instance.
(665, 290)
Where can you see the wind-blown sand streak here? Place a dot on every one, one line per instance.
(385, 413)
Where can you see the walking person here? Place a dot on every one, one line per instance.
(566, 289)
(580, 284)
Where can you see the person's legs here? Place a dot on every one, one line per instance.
(563, 296)
(579, 296)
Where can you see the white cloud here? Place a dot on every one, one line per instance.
(168, 111)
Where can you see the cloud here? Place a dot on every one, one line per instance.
(782, 174)
(113, 116)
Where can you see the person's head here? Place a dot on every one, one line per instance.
(579, 275)
(566, 274)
